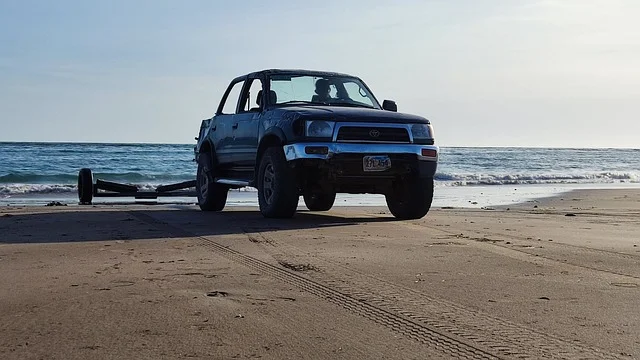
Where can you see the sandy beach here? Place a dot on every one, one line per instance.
(552, 278)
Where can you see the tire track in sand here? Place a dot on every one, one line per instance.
(480, 238)
(498, 336)
(433, 338)
(444, 326)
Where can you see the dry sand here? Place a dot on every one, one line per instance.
(556, 278)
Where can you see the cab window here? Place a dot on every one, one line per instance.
(251, 98)
(231, 102)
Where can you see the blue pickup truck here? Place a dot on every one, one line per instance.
(298, 132)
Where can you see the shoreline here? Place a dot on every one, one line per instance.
(472, 197)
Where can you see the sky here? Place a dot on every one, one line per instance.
(542, 73)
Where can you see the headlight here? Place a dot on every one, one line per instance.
(319, 128)
(422, 131)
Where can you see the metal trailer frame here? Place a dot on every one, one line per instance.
(88, 189)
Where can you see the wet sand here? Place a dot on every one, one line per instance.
(554, 278)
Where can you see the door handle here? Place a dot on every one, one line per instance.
(235, 126)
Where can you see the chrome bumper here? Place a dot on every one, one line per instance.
(297, 151)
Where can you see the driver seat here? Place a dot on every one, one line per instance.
(273, 98)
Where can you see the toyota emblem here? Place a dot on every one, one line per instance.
(374, 133)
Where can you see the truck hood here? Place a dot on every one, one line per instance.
(346, 114)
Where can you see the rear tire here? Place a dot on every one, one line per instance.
(211, 196)
(85, 186)
(277, 188)
(411, 198)
(319, 201)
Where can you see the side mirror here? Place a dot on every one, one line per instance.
(390, 105)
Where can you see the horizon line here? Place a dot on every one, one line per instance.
(444, 146)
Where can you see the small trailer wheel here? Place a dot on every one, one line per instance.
(85, 186)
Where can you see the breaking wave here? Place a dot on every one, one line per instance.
(442, 179)
(523, 179)
(25, 189)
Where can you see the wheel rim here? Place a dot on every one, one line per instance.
(204, 185)
(267, 183)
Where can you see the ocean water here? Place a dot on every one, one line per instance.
(33, 173)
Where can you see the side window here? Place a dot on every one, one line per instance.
(231, 101)
(250, 101)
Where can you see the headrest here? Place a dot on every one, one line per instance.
(273, 97)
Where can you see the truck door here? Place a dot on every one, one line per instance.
(224, 122)
(245, 124)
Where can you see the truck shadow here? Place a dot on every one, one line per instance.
(112, 224)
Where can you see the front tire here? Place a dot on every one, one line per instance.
(211, 195)
(411, 198)
(319, 201)
(277, 188)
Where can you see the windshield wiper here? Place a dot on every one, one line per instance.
(302, 102)
(353, 105)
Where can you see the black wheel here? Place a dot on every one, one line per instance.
(211, 196)
(277, 190)
(319, 201)
(85, 186)
(411, 198)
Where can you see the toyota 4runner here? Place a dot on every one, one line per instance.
(298, 132)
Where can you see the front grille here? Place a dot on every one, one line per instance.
(373, 134)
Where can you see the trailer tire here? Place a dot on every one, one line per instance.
(211, 195)
(85, 186)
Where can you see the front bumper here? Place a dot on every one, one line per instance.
(299, 150)
(342, 162)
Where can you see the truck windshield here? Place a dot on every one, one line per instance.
(320, 90)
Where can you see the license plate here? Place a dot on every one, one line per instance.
(376, 163)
